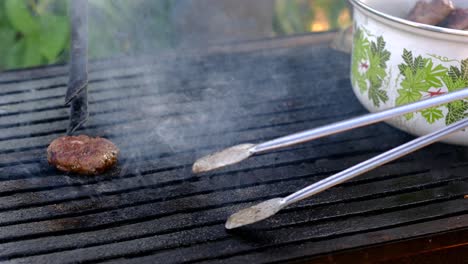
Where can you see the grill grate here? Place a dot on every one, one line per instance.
(152, 209)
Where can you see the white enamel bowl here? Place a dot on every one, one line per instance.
(396, 61)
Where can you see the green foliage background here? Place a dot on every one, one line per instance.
(32, 33)
(36, 32)
(295, 16)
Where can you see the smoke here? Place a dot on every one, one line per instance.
(161, 97)
(193, 100)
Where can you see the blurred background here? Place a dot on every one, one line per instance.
(36, 32)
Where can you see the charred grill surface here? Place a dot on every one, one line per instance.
(150, 208)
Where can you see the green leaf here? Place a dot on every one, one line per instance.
(418, 64)
(434, 75)
(14, 58)
(420, 75)
(361, 51)
(374, 49)
(377, 95)
(406, 96)
(294, 18)
(432, 114)
(464, 69)
(3, 18)
(378, 51)
(380, 44)
(7, 37)
(384, 57)
(454, 73)
(20, 17)
(409, 116)
(415, 82)
(456, 111)
(402, 67)
(42, 6)
(408, 58)
(377, 56)
(32, 56)
(375, 73)
(455, 77)
(360, 47)
(362, 84)
(54, 36)
(454, 84)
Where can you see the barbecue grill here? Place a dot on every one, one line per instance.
(165, 112)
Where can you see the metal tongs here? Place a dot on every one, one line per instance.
(77, 92)
(270, 207)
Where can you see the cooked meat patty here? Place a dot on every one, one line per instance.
(431, 13)
(82, 154)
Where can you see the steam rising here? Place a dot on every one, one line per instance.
(190, 97)
(165, 110)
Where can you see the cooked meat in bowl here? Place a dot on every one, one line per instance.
(431, 13)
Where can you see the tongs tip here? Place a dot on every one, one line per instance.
(255, 213)
(222, 158)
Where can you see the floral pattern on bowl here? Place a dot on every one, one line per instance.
(419, 77)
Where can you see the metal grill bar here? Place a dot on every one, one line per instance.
(183, 158)
(143, 107)
(35, 213)
(302, 214)
(148, 169)
(151, 208)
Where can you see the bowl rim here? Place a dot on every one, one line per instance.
(409, 23)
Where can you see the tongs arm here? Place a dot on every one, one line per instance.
(241, 152)
(360, 121)
(270, 207)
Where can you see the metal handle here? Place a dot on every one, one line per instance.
(360, 121)
(77, 92)
(374, 162)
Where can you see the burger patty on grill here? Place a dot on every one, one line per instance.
(82, 154)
